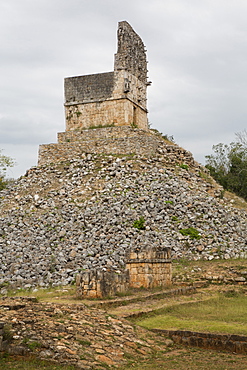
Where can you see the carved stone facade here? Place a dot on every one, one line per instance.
(116, 98)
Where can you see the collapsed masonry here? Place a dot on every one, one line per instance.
(117, 103)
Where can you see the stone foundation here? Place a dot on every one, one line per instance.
(112, 140)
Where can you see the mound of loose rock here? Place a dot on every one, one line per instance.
(61, 219)
(74, 334)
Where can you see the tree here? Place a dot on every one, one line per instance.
(228, 165)
(5, 163)
(242, 138)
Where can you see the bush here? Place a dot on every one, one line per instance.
(193, 233)
(139, 224)
(184, 166)
(2, 183)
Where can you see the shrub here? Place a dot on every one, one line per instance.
(193, 233)
(139, 224)
(184, 166)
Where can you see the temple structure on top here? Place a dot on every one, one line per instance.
(107, 112)
(117, 98)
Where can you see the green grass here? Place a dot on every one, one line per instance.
(45, 294)
(191, 232)
(180, 264)
(217, 315)
(176, 358)
(190, 359)
(8, 362)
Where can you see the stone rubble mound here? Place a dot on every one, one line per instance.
(73, 334)
(68, 217)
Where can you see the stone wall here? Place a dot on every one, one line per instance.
(112, 140)
(85, 89)
(131, 53)
(82, 135)
(104, 86)
(226, 342)
(98, 284)
(148, 269)
(118, 112)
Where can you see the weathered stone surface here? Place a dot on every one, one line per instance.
(73, 145)
(78, 215)
(226, 342)
(69, 334)
(148, 268)
(117, 97)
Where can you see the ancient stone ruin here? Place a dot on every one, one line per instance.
(148, 268)
(107, 113)
(109, 206)
(114, 98)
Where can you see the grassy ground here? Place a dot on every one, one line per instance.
(191, 359)
(223, 314)
(28, 363)
(52, 294)
(176, 358)
(217, 308)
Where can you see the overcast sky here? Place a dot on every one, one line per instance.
(197, 56)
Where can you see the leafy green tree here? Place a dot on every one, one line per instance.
(5, 163)
(228, 165)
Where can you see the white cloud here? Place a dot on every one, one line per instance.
(197, 61)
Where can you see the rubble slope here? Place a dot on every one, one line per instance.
(61, 219)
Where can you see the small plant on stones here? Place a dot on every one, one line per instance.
(191, 232)
(7, 333)
(168, 137)
(168, 202)
(31, 344)
(134, 125)
(139, 224)
(184, 166)
(84, 342)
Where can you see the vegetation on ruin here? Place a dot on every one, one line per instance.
(191, 232)
(184, 166)
(99, 126)
(168, 138)
(5, 163)
(139, 224)
(8, 362)
(173, 358)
